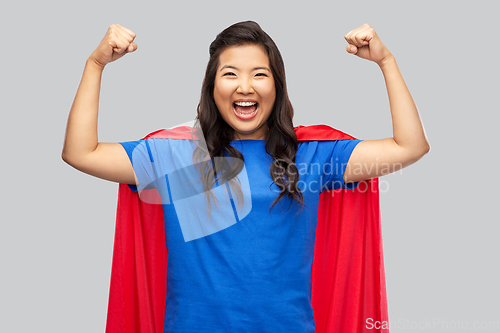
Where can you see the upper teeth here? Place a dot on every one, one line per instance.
(245, 103)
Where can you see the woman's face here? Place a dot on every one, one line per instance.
(244, 90)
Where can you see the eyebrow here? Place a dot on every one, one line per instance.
(256, 68)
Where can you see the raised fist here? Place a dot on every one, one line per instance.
(365, 43)
(117, 42)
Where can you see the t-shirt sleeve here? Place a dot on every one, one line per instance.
(335, 155)
(141, 157)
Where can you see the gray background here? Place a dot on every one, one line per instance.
(439, 216)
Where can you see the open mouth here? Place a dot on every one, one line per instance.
(245, 110)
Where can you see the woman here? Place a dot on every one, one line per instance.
(249, 271)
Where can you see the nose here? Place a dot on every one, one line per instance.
(244, 86)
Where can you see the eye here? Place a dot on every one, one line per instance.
(260, 74)
(229, 73)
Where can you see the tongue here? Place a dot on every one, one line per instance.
(245, 109)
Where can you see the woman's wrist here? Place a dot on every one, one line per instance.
(93, 64)
(387, 62)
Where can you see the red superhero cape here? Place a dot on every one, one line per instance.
(348, 278)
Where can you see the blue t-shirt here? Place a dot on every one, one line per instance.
(239, 268)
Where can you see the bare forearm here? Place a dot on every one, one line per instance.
(81, 130)
(407, 127)
(408, 144)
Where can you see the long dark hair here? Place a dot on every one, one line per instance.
(281, 141)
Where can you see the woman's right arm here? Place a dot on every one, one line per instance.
(81, 147)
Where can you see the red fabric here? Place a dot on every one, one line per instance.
(348, 293)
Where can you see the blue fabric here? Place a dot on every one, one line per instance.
(238, 269)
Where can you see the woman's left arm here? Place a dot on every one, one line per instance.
(374, 158)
